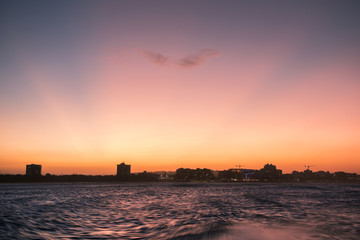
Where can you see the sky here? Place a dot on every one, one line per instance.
(86, 85)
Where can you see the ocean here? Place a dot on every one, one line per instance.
(180, 211)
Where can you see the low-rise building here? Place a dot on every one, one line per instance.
(33, 170)
(123, 169)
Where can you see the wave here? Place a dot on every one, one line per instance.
(253, 231)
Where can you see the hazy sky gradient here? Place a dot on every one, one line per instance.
(85, 85)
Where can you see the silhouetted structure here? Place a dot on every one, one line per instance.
(187, 174)
(237, 174)
(33, 170)
(123, 170)
(269, 173)
(232, 174)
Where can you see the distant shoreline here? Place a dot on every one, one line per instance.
(138, 178)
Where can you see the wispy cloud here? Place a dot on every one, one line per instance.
(156, 58)
(197, 59)
(190, 61)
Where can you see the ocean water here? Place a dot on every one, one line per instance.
(179, 211)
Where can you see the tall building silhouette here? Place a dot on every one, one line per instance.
(33, 170)
(123, 169)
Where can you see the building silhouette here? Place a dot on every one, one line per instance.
(33, 170)
(123, 169)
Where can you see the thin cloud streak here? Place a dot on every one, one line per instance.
(156, 58)
(197, 59)
(190, 61)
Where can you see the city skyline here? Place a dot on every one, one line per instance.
(268, 173)
(160, 85)
(123, 170)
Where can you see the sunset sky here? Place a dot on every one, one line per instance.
(85, 85)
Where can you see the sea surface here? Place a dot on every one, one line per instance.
(179, 211)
